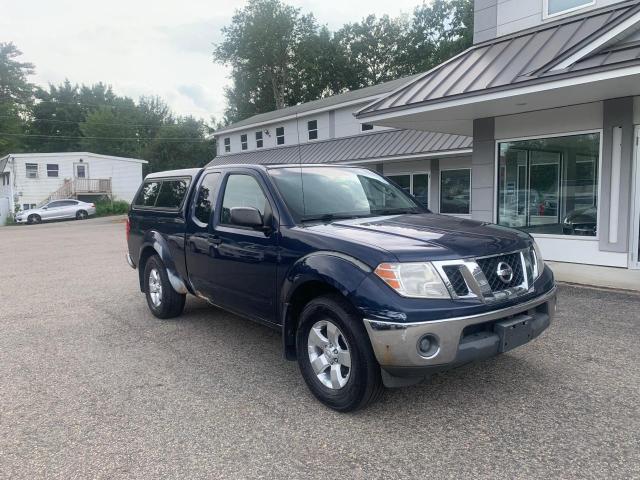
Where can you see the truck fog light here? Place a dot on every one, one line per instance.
(428, 345)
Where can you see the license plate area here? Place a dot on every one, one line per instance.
(513, 332)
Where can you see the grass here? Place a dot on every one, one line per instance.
(105, 208)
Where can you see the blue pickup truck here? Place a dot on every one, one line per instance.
(367, 286)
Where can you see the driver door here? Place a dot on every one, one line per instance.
(53, 210)
(243, 272)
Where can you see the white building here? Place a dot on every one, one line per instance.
(536, 126)
(30, 179)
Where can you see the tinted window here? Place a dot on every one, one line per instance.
(206, 197)
(315, 192)
(172, 193)
(55, 204)
(148, 194)
(68, 203)
(455, 191)
(242, 191)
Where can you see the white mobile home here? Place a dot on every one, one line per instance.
(29, 179)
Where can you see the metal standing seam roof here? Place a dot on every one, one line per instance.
(372, 146)
(334, 100)
(508, 61)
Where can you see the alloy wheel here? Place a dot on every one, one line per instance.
(329, 354)
(155, 287)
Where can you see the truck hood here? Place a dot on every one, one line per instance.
(428, 236)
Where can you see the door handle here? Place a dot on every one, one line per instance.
(215, 240)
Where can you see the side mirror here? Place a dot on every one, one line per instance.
(246, 217)
(44, 208)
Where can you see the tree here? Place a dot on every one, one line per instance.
(16, 97)
(261, 45)
(280, 57)
(192, 149)
(437, 32)
(372, 49)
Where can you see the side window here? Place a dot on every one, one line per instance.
(172, 193)
(148, 194)
(242, 191)
(206, 197)
(55, 204)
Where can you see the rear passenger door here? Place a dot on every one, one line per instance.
(201, 243)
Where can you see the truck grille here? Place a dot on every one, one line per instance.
(457, 280)
(489, 278)
(489, 267)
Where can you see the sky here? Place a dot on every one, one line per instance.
(145, 47)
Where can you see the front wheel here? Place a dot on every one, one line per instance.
(163, 300)
(335, 357)
(34, 219)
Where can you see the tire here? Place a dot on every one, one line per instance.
(35, 218)
(163, 301)
(81, 215)
(346, 389)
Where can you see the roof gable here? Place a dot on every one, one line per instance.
(526, 56)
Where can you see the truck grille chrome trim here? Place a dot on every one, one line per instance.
(490, 279)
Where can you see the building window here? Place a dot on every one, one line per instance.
(280, 136)
(5, 178)
(550, 185)
(259, 139)
(32, 170)
(227, 145)
(366, 127)
(455, 191)
(244, 143)
(558, 7)
(417, 184)
(312, 128)
(52, 169)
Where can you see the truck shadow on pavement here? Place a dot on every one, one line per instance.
(257, 351)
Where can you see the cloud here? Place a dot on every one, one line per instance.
(198, 95)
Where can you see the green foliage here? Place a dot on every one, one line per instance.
(16, 95)
(107, 207)
(280, 57)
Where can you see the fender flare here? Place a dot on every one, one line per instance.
(339, 271)
(155, 240)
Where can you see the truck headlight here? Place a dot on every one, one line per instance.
(414, 280)
(536, 260)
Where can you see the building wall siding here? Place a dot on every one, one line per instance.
(618, 112)
(483, 170)
(495, 18)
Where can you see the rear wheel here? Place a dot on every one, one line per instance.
(335, 356)
(163, 300)
(35, 218)
(81, 215)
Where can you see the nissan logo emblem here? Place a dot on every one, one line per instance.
(504, 272)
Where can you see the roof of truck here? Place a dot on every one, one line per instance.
(184, 172)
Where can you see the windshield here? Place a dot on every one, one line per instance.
(325, 193)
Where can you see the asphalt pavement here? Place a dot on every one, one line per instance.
(93, 386)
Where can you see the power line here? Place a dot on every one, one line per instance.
(50, 120)
(93, 105)
(68, 137)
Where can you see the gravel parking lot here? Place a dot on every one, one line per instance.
(93, 386)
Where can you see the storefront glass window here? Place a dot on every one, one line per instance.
(550, 185)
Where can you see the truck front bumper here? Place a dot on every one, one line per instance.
(453, 342)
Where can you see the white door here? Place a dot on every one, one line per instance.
(81, 170)
(635, 231)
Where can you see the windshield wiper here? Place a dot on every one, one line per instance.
(328, 217)
(396, 211)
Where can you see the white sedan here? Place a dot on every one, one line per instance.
(57, 210)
